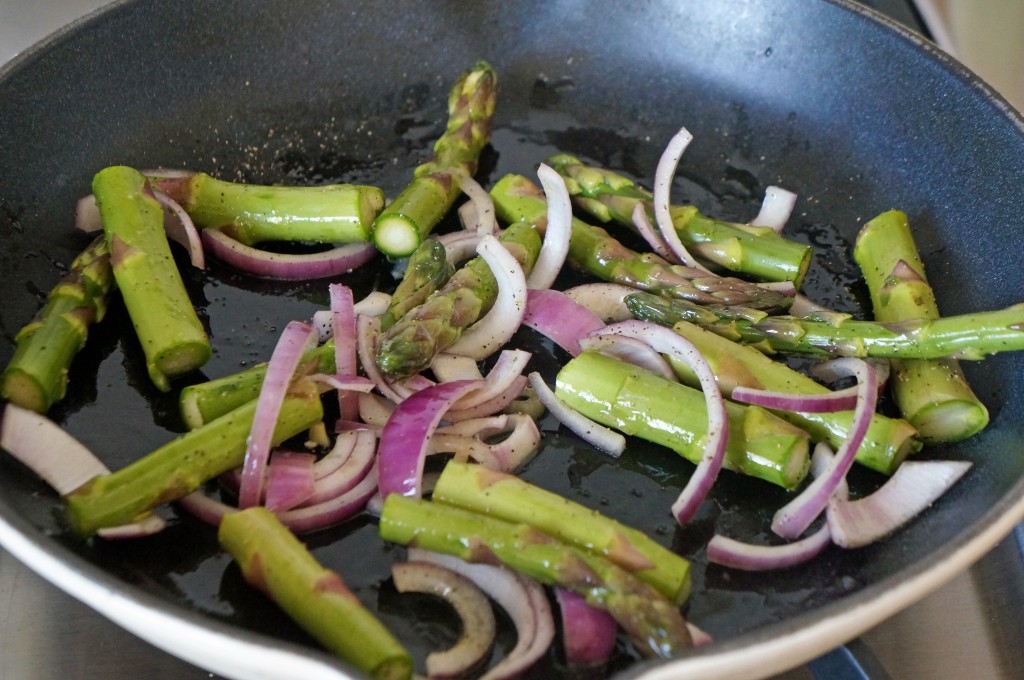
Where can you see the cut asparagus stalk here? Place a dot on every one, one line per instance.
(932, 394)
(274, 561)
(426, 271)
(888, 440)
(641, 403)
(652, 622)
(408, 219)
(757, 251)
(179, 467)
(968, 336)
(593, 250)
(249, 213)
(409, 346)
(36, 376)
(172, 337)
(204, 402)
(507, 497)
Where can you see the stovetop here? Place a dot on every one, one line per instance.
(971, 628)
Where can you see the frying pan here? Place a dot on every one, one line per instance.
(825, 98)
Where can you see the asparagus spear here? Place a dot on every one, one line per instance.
(273, 560)
(427, 270)
(409, 345)
(398, 230)
(652, 622)
(335, 213)
(641, 403)
(172, 337)
(501, 495)
(204, 402)
(593, 250)
(183, 464)
(36, 377)
(968, 336)
(758, 251)
(887, 442)
(932, 394)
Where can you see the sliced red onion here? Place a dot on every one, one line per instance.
(374, 304)
(510, 364)
(334, 511)
(181, 229)
(698, 636)
(557, 316)
(468, 601)
(290, 267)
(362, 454)
(367, 339)
(447, 367)
(375, 410)
(341, 451)
(289, 479)
(556, 234)
(914, 487)
(483, 219)
(605, 300)
(147, 526)
(41, 445)
(651, 235)
(588, 633)
(729, 552)
(663, 176)
(343, 325)
(776, 209)
(782, 287)
(403, 442)
(205, 509)
(524, 601)
(287, 354)
(631, 351)
(87, 214)
(463, 448)
(498, 326)
(493, 405)
(793, 518)
(521, 440)
(355, 384)
(460, 246)
(676, 346)
(827, 402)
(597, 435)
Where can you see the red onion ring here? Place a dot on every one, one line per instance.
(663, 175)
(460, 246)
(290, 267)
(523, 599)
(729, 552)
(510, 364)
(482, 220)
(776, 209)
(631, 351)
(595, 434)
(283, 362)
(289, 479)
(556, 235)
(558, 317)
(362, 454)
(676, 346)
(147, 526)
(828, 402)
(521, 440)
(588, 633)
(334, 511)
(502, 321)
(181, 229)
(343, 325)
(604, 300)
(914, 486)
(793, 518)
(447, 367)
(403, 441)
(651, 235)
(87, 214)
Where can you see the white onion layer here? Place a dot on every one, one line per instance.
(663, 176)
(776, 209)
(556, 235)
(599, 436)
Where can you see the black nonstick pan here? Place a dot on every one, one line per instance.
(854, 114)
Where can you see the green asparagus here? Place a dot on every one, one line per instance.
(757, 251)
(36, 376)
(427, 270)
(652, 622)
(204, 402)
(594, 251)
(172, 337)
(640, 403)
(968, 336)
(409, 345)
(887, 442)
(249, 213)
(273, 560)
(408, 219)
(507, 497)
(179, 467)
(932, 394)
